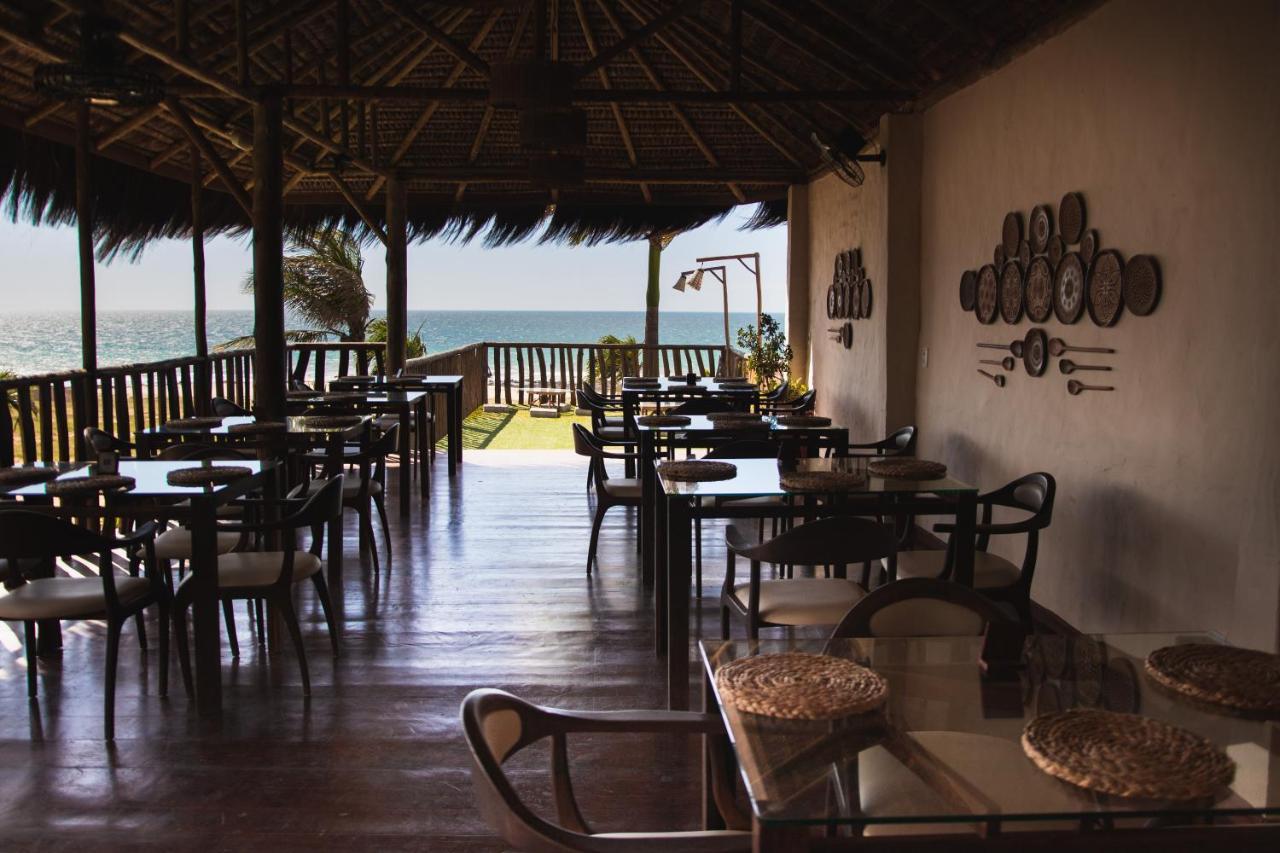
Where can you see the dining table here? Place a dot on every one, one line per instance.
(679, 502)
(676, 389)
(446, 385)
(940, 765)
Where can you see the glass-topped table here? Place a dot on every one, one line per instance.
(447, 384)
(946, 751)
(678, 503)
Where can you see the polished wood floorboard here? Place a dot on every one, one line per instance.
(487, 587)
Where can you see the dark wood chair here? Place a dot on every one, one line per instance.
(224, 408)
(365, 486)
(799, 406)
(31, 543)
(497, 725)
(610, 492)
(994, 576)
(837, 542)
(900, 442)
(920, 607)
(98, 441)
(270, 575)
(743, 448)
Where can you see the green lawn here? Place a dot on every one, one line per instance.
(518, 431)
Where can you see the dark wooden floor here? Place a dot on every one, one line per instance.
(487, 588)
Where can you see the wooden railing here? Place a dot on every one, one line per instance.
(470, 362)
(314, 363)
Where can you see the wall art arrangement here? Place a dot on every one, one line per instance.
(849, 296)
(1042, 274)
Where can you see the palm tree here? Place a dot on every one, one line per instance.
(323, 287)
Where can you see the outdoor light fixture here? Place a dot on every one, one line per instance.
(696, 280)
(100, 77)
(680, 282)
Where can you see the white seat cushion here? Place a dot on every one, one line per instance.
(175, 544)
(611, 433)
(989, 570)
(803, 601)
(225, 511)
(350, 487)
(261, 568)
(65, 598)
(622, 487)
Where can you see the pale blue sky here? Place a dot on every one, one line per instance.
(41, 273)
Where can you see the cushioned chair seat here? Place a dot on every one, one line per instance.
(175, 544)
(226, 510)
(614, 422)
(623, 487)
(261, 568)
(350, 487)
(989, 570)
(611, 433)
(803, 601)
(65, 598)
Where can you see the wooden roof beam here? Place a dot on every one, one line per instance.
(657, 95)
(604, 57)
(600, 174)
(358, 206)
(201, 142)
(423, 24)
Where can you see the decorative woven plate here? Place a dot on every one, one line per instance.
(732, 416)
(664, 420)
(822, 481)
(1011, 233)
(831, 302)
(1240, 679)
(1088, 245)
(804, 420)
(206, 475)
(698, 470)
(637, 381)
(1041, 228)
(15, 478)
(796, 686)
(330, 421)
(1106, 288)
(87, 485)
(1024, 254)
(1071, 217)
(865, 296)
(257, 427)
(1127, 755)
(839, 293)
(842, 265)
(852, 301)
(1141, 287)
(1068, 289)
(1035, 352)
(907, 468)
(1057, 248)
(1039, 291)
(968, 289)
(343, 396)
(192, 424)
(1011, 293)
(998, 256)
(988, 295)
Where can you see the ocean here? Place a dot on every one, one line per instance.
(46, 341)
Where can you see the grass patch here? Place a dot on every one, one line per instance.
(483, 430)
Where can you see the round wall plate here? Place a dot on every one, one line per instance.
(1039, 290)
(968, 289)
(1011, 293)
(1106, 288)
(1141, 285)
(1041, 228)
(987, 306)
(1068, 289)
(1035, 352)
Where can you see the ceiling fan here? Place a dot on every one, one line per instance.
(841, 154)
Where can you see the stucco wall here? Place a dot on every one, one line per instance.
(1164, 115)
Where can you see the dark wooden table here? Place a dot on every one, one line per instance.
(447, 385)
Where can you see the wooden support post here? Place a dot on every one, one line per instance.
(242, 43)
(203, 386)
(270, 369)
(84, 224)
(735, 46)
(397, 272)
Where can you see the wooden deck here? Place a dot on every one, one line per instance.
(487, 588)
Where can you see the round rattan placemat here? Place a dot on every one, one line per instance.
(193, 424)
(1126, 755)
(908, 468)
(257, 427)
(635, 380)
(343, 396)
(14, 478)
(698, 470)
(716, 417)
(822, 481)
(92, 483)
(330, 421)
(1141, 285)
(804, 420)
(796, 686)
(206, 475)
(664, 420)
(1240, 679)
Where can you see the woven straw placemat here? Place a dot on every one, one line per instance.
(908, 468)
(13, 478)
(206, 475)
(822, 481)
(92, 483)
(329, 421)
(804, 420)
(1240, 679)
(344, 396)
(641, 381)
(1127, 755)
(796, 686)
(257, 427)
(193, 424)
(698, 470)
(664, 420)
(732, 416)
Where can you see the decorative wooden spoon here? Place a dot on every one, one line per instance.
(1074, 387)
(1007, 362)
(1015, 347)
(1069, 367)
(994, 377)
(1057, 347)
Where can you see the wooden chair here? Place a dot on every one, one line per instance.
(744, 448)
(900, 442)
(799, 406)
(920, 607)
(270, 575)
(367, 487)
(32, 542)
(836, 541)
(98, 441)
(497, 725)
(993, 575)
(610, 492)
(224, 408)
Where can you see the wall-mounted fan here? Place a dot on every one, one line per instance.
(841, 154)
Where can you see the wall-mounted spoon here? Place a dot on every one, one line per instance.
(1015, 347)
(1069, 367)
(1074, 387)
(994, 377)
(1057, 347)
(1007, 362)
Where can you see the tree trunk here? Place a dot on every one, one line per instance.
(651, 297)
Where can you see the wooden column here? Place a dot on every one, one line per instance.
(84, 224)
(397, 272)
(204, 387)
(270, 369)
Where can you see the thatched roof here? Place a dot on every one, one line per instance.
(672, 141)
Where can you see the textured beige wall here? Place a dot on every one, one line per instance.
(1164, 115)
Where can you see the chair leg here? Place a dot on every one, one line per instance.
(109, 691)
(285, 603)
(259, 615)
(141, 624)
(724, 622)
(380, 502)
(601, 508)
(366, 533)
(184, 653)
(322, 591)
(229, 616)
(29, 640)
(697, 557)
(164, 647)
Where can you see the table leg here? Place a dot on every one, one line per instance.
(405, 449)
(648, 493)
(966, 522)
(628, 422)
(679, 535)
(455, 419)
(776, 838)
(661, 587)
(711, 817)
(205, 615)
(420, 455)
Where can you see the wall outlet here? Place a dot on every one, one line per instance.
(924, 357)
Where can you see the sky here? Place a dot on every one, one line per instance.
(40, 272)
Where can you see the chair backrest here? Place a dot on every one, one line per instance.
(836, 541)
(324, 505)
(920, 607)
(745, 448)
(195, 451)
(1033, 493)
(586, 444)
(900, 442)
(805, 402)
(28, 536)
(100, 441)
(703, 406)
(224, 408)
